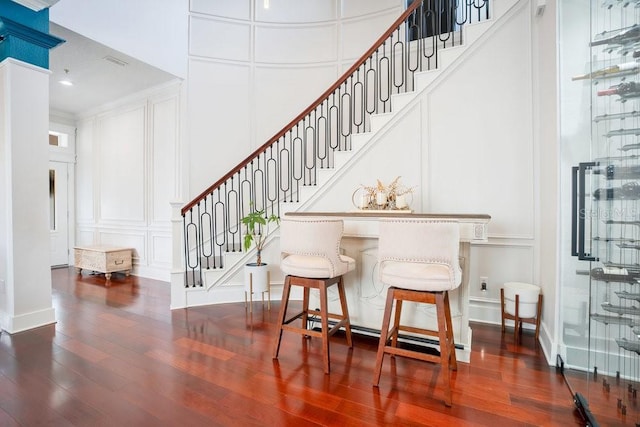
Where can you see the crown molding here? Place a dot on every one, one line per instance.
(36, 5)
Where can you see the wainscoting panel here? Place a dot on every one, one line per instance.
(285, 45)
(227, 9)
(219, 39)
(121, 144)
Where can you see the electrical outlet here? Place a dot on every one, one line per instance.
(484, 283)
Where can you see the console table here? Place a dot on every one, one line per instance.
(103, 259)
(366, 295)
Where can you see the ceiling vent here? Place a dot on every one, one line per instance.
(115, 60)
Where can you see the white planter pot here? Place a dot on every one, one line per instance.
(527, 297)
(256, 278)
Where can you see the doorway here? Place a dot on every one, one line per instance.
(61, 197)
(59, 213)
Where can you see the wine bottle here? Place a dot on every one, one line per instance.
(621, 116)
(599, 274)
(629, 191)
(623, 132)
(624, 90)
(624, 37)
(619, 172)
(618, 70)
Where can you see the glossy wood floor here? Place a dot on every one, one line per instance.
(119, 357)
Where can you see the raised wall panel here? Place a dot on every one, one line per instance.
(126, 239)
(85, 236)
(501, 263)
(480, 165)
(289, 11)
(218, 39)
(356, 8)
(220, 131)
(283, 93)
(236, 9)
(291, 45)
(359, 35)
(85, 169)
(160, 250)
(121, 136)
(164, 134)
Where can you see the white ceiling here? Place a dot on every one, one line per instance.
(96, 80)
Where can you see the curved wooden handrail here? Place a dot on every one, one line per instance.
(313, 106)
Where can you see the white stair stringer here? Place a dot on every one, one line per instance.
(217, 280)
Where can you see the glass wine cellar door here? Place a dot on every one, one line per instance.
(600, 152)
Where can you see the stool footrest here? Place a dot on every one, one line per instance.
(311, 332)
(412, 354)
(429, 332)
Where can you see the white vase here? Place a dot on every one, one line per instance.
(256, 278)
(381, 198)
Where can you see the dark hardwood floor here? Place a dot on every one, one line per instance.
(119, 357)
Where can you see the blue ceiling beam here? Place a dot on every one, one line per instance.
(24, 34)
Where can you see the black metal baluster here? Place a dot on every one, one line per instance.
(371, 90)
(297, 154)
(310, 150)
(284, 168)
(399, 65)
(384, 80)
(233, 209)
(206, 239)
(322, 138)
(271, 182)
(346, 116)
(358, 103)
(191, 241)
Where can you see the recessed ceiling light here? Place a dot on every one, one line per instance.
(66, 81)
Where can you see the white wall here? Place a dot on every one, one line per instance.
(252, 71)
(127, 173)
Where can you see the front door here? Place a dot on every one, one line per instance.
(59, 212)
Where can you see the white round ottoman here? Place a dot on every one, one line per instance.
(521, 302)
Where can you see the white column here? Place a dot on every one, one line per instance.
(25, 272)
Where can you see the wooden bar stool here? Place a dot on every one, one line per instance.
(419, 260)
(522, 303)
(310, 251)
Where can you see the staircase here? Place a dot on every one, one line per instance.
(306, 159)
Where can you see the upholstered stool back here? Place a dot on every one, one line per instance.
(310, 247)
(419, 254)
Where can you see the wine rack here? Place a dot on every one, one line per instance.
(608, 190)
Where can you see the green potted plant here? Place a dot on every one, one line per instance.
(256, 274)
(257, 230)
